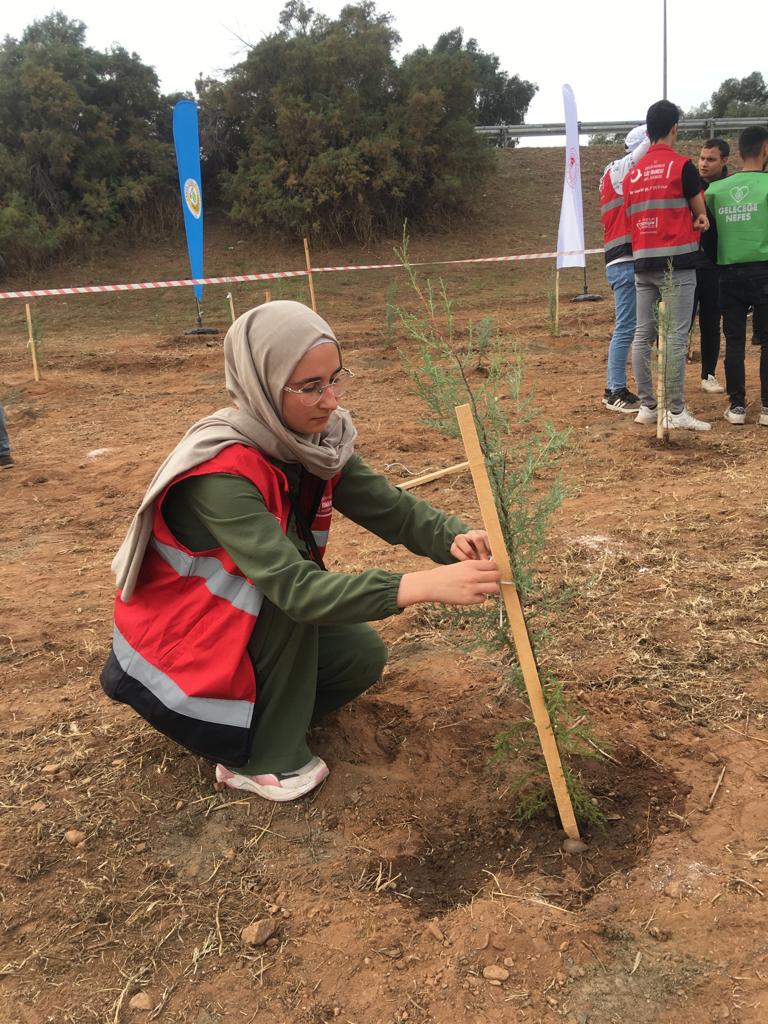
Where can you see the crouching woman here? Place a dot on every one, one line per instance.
(230, 637)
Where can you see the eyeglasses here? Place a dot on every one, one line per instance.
(311, 394)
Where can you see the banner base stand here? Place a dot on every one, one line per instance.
(202, 330)
(587, 297)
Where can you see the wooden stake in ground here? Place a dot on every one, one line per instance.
(435, 475)
(267, 295)
(32, 343)
(231, 306)
(525, 654)
(309, 275)
(661, 376)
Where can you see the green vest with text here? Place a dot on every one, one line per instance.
(739, 205)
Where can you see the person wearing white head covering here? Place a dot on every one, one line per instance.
(229, 635)
(620, 271)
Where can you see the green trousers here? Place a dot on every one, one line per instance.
(303, 672)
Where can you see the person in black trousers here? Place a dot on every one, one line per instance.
(712, 167)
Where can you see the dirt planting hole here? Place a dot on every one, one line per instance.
(465, 852)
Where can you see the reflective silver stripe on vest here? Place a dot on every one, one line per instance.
(666, 250)
(237, 713)
(235, 589)
(321, 537)
(657, 204)
(618, 240)
(612, 204)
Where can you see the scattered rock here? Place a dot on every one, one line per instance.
(50, 769)
(659, 734)
(229, 853)
(495, 973)
(393, 952)
(74, 837)
(256, 934)
(141, 1001)
(484, 939)
(509, 961)
(180, 804)
(498, 943)
(660, 934)
(710, 758)
(219, 787)
(574, 846)
(674, 890)
(272, 943)
(39, 806)
(434, 930)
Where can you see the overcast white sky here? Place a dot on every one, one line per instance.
(609, 52)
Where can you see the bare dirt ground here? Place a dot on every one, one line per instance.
(391, 891)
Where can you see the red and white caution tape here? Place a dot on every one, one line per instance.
(39, 293)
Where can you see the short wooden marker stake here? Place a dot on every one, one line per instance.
(661, 376)
(525, 655)
(231, 302)
(417, 481)
(309, 275)
(267, 295)
(32, 343)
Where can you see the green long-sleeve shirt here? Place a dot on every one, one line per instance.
(229, 511)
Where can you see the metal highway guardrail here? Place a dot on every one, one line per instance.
(509, 134)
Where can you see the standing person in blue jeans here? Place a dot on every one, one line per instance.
(620, 270)
(5, 445)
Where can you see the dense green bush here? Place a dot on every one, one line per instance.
(81, 149)
(319, 131)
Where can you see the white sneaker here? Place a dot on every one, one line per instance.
(279, 786)
(762, 419)
(684, 421)
(735, 414)
(712, 385)
(646, 415)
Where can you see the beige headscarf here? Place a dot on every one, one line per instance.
(261, 349)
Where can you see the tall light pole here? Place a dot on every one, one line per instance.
(665, 49)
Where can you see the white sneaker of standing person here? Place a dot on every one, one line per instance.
(646, 415)
(735, 414)
(712, 385)
(279, 786)
(762, 419)
(683, 420)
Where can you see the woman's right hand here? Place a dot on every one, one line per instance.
(468, 582)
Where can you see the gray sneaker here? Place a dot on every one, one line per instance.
(762, 419)
(735, 414)
(6, 462)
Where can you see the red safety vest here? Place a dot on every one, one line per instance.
(180, 645)
(617, 240)
(660, 218)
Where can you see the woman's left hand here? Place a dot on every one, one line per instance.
(472, 544)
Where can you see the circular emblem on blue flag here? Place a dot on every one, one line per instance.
(193, 197)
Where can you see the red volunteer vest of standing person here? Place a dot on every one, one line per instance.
(660, 218)
(180, 645)
(617, 240)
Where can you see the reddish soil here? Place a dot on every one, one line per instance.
(393, 888)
